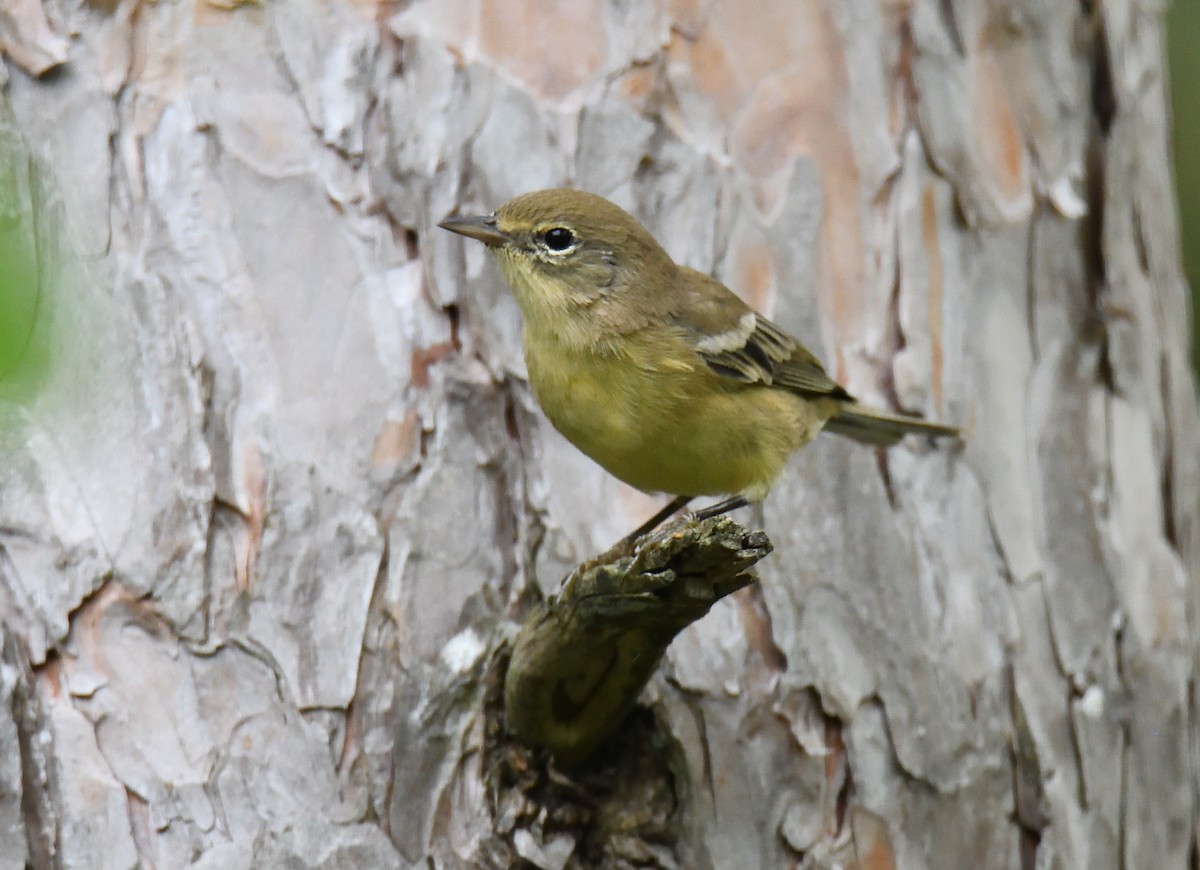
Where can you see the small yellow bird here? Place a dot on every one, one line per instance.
(657, 371)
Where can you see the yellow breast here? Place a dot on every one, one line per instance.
(662, 423)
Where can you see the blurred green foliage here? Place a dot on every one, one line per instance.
(1183, 57)
(24, 338)
(24, 335)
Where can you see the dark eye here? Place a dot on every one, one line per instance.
(558, 239)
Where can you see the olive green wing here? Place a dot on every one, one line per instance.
(740, 344)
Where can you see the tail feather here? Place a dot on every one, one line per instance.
(872, 426)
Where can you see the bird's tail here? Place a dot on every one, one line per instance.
(871, 426)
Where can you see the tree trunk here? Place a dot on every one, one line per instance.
(273, 509)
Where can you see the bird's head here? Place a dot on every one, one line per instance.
(566, 249)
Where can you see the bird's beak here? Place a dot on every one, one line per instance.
(481, 227)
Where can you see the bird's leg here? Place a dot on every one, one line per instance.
(625, 545)
(668, 510)
(721, 507)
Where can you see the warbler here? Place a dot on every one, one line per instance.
(655, 370)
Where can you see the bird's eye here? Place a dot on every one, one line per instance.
(558, 238)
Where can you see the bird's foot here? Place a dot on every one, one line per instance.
(721, 507)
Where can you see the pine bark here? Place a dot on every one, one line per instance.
(274, 508)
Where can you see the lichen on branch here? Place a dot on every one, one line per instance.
(583, 655)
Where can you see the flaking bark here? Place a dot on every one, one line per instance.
(265, 525)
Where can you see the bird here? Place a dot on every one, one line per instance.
(655, 370)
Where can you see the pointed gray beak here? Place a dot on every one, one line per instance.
(481, 227)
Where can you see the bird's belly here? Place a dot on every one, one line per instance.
(660, 432)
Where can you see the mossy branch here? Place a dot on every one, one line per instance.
(584, 654)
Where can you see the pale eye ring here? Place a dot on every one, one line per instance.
(558, 239)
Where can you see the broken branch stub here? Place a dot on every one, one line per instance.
(584, 654)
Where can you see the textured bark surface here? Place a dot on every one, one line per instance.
(286, 490)
(584, 654)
